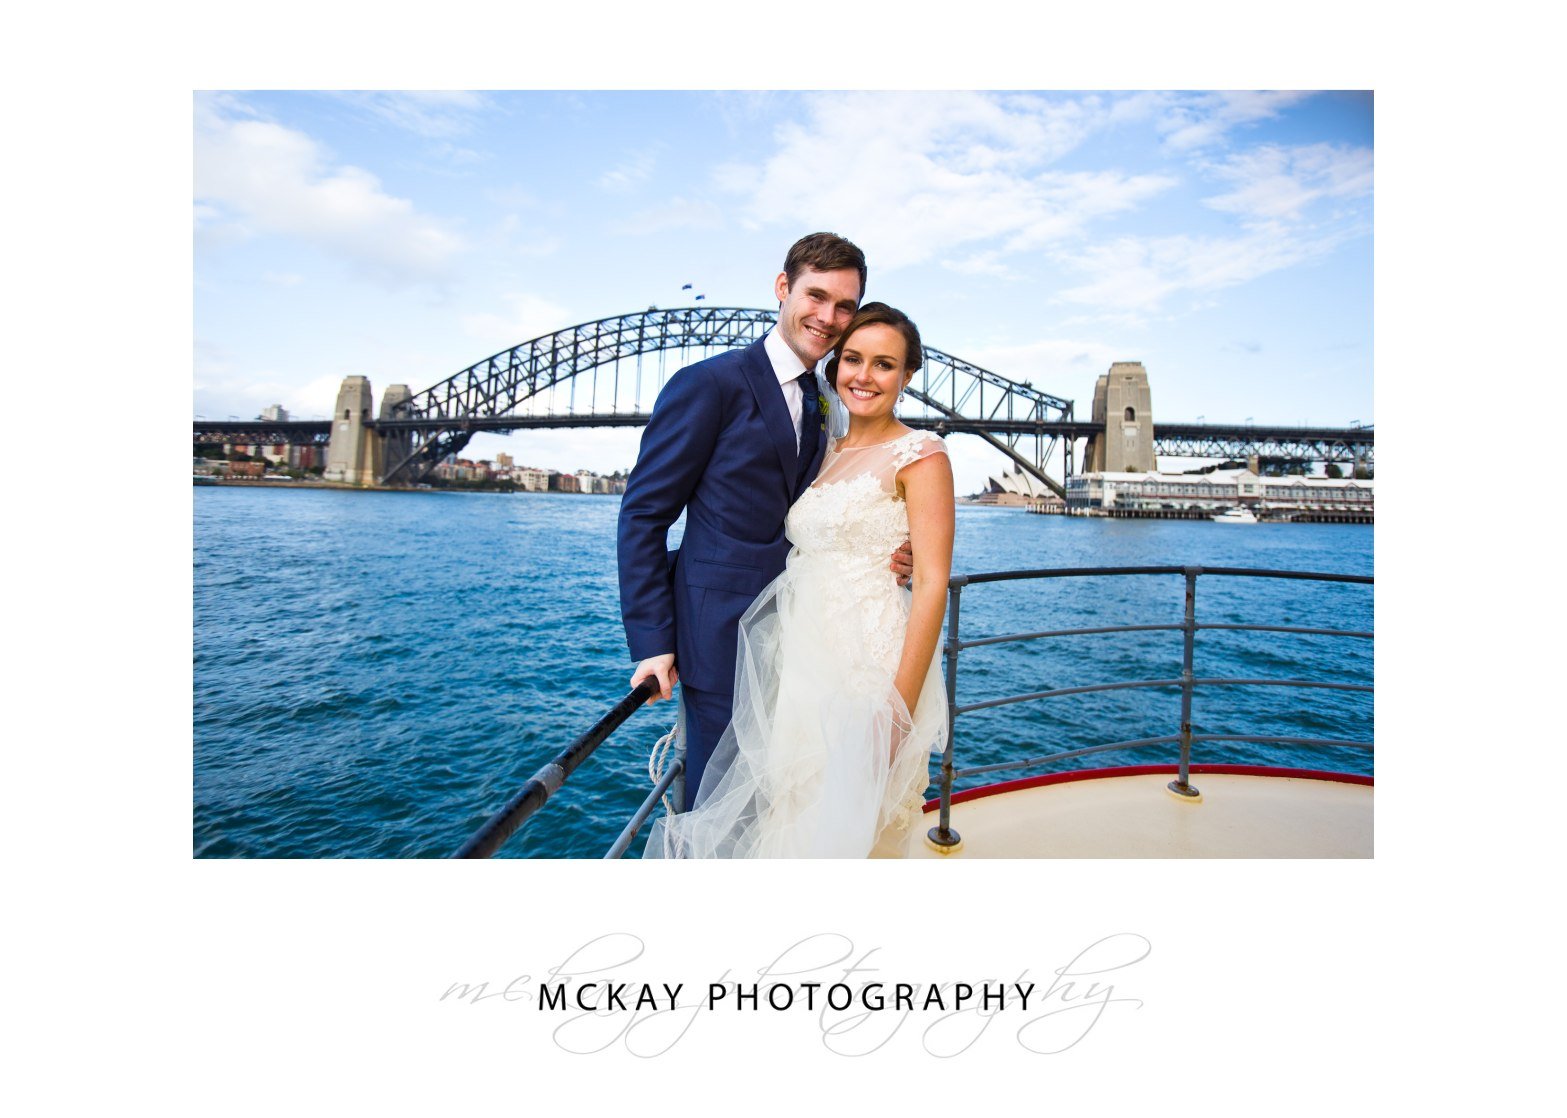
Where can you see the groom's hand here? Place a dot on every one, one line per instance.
(661, 668)
(902, 563)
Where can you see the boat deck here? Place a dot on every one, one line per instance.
(1243, 812)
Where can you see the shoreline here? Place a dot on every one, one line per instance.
(200, 481)
(258, 483)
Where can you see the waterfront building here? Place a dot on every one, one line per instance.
(1150, 493)
(274, 413)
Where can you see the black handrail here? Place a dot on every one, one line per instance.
(532, 795)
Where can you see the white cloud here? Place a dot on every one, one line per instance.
(433, 114)
(677, 213)
(980, 264)
(1139, 273)
(243, 393)
(913, 177)
(1059, 366)
(1193, 121)
(526, 317)
(1274, 183)
(632, 172)
(260, 177)
(1275, 191)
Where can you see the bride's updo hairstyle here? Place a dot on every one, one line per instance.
(873, 314)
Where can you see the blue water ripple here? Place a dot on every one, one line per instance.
(375, 673)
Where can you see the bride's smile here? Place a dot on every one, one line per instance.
(872, 371)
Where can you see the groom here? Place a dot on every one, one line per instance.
(733, 441)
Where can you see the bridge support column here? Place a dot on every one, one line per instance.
(1123, 404)
(394, 446)
(353, 453)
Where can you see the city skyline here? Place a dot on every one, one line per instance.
(1222, 239)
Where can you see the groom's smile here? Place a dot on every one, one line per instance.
(815, 310)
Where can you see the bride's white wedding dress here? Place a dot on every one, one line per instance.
(823, 759)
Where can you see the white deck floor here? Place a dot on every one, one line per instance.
(1137, 817)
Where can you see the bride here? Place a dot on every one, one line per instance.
(838, 701)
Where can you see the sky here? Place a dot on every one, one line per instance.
(1222, 239)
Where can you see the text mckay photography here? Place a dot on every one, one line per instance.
(854, 998)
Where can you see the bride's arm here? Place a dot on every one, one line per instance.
(927, 487)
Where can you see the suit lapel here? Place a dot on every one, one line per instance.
(775, 413)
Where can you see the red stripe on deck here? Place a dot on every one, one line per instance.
(1143, 770)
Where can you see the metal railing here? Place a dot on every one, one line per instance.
(536, 792)
(942, 834)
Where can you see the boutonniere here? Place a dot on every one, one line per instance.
(821, 402)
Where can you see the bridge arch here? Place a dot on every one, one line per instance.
(951, 394)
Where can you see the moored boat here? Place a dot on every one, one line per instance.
(1234, 515)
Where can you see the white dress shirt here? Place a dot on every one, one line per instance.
(787, 367)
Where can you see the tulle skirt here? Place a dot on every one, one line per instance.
(822, 758)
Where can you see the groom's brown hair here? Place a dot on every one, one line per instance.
(824, 252)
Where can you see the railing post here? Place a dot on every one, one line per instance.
(677, 790)
(942, 838)
(1182, 786)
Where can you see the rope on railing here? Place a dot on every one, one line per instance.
(533, 795)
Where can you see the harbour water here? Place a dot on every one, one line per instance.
(375, 673)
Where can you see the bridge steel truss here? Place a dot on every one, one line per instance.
(1306, 444)
(485, 396)
(951, 396)
(262, 432)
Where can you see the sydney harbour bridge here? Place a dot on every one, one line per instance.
(607, 374)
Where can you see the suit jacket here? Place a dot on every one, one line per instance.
(718, 445)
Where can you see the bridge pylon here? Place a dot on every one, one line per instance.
(350, 454)
(356, 452)
(353, 453)
(394, 445)
(1123, 408)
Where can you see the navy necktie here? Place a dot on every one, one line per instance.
(810, 421)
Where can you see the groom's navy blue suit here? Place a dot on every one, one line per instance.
(720, 445)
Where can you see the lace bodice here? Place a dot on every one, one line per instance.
(853, 507)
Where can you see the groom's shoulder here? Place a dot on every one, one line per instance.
(727, 367)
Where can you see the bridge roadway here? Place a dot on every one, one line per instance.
(1181, 440)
